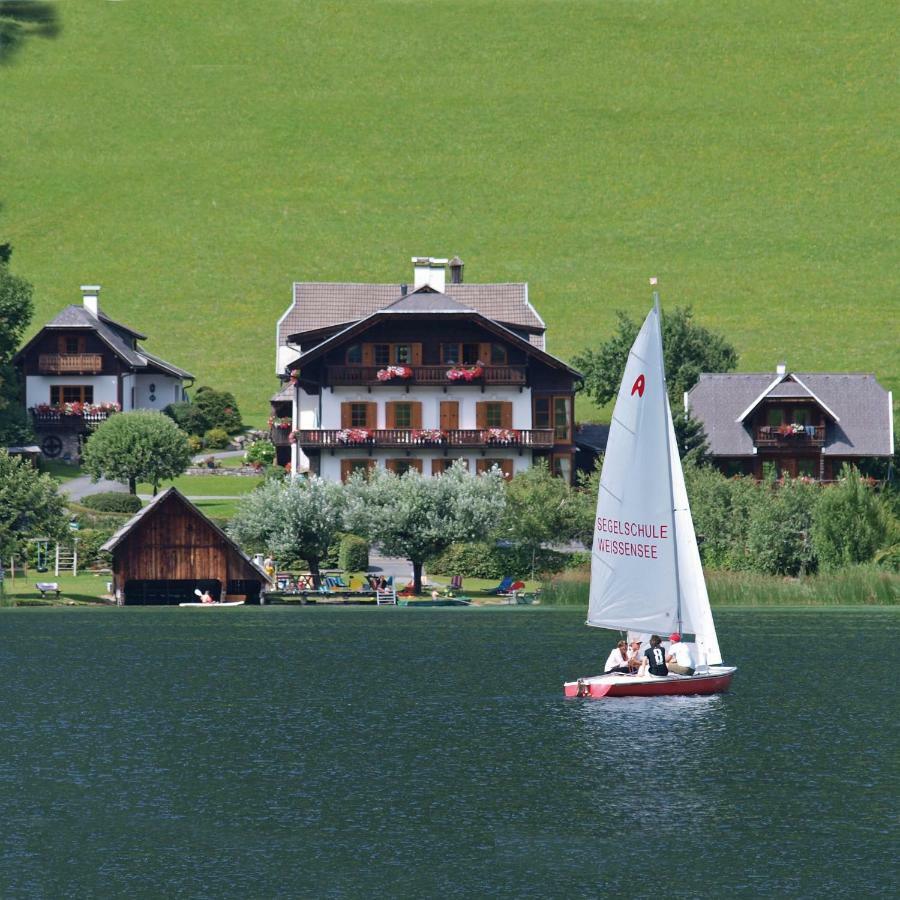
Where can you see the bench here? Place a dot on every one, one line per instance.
(47, 587)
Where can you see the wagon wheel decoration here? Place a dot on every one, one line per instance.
(51, 446)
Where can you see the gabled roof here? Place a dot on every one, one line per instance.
(426, 299)
(429, 297)
(858, 405)
(324, 304)
(787, 387)
(151, 507)
(119, 338)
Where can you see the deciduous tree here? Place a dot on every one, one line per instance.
(417, 517)
(16, 308)
(137, 446)
(291, 519)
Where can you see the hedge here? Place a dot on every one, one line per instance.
(112, 501)
(483, 560)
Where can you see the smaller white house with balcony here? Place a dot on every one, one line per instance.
(417, 376)
(81, 367)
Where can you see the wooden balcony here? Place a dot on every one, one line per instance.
(63, 421)
(70, 363)
(788, 437)
(367, 376)
(280, 437)
(407, 439)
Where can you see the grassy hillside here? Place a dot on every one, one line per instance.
(196, 158)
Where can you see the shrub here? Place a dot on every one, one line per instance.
(484, 560)
(353, 555)
(195, 443)
(188, 418)
(111, 501)
(219, 409)
(262, 452)
(216, 439)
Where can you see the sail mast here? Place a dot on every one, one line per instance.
(662, 373)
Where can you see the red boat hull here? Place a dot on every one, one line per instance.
(716, 683)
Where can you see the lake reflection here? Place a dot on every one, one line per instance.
(398, 752)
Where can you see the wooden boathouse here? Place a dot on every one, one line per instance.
(170, 548)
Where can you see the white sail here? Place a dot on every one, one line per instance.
(633, 564)
(696, 616)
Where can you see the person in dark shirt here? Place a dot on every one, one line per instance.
(656, 657)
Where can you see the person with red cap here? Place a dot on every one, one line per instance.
(679, 659)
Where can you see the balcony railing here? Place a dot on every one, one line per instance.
(69, 363)
(789, 436)
(81, 421)
(429, 375)
(517, 438)
(280, 436)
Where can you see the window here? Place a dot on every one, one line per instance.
(381, 353)
(807, 468)
(733, 468)
(354, 355)
(450, 354)
(71, 343)
(71, 393)
(439, 466)
(402, 415)
(350, 466)
(498, 355)
(562, 466)
(402, 354)
(775, 417)
(504, 465)
(402, 466)
(554, 412)
(467, 354)
(358, 415)
(801, 416)
(493, 415)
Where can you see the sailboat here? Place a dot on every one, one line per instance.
(646, 574)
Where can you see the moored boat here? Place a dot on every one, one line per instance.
(646, 574)
(215, 604)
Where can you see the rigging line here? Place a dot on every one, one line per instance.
(629, 430)
(611, 494)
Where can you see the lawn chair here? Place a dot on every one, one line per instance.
(456, 583)
(502, 588)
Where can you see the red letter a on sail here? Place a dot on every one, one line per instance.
(638, 386)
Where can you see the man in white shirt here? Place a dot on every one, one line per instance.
(679, 658)
(616, 661)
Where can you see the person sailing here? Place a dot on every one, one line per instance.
(616, 661)
(680, 659)
(656, 657)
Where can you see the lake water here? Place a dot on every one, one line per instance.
(403, 752)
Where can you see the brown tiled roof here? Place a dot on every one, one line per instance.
(323, 304)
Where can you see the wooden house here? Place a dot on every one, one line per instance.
(800, 424)
(170, 548)
(417, 376)
(82, 367)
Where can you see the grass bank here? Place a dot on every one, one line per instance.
(741, 151)
(861, 586)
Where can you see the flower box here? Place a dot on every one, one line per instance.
(394, 372)
(500, 436)
(428, 435)
(354, 435)
(465, 373)
(280, 423)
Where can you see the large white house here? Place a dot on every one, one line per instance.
(416, 376)
(82, 366)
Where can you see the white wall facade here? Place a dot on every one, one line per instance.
(330, 466)
(156, 391)
(37, 387)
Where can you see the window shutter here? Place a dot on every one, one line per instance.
(416, 464)
(345, 469)
(450, 415)
(481, 414)
(368, 355)
(506, 467)
(390, 465)
(416, 354)
(484, 353)
(482, 465)
(415, 414)
(506, 414)
(345, 415)
(389, 415)
(437, 466)
(371, 415)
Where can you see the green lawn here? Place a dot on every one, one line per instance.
(196, 158)
(59, 470)
(85, 587)
(208, 485)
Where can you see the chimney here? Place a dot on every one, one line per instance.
(91, 297)
(781, 368)
(429, 271)
(456, 270)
